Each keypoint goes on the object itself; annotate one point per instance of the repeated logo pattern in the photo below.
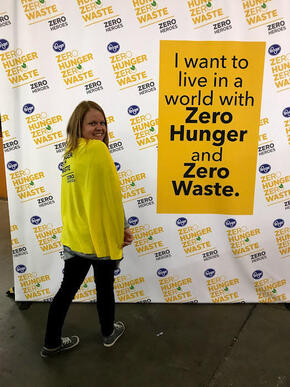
(113, 59)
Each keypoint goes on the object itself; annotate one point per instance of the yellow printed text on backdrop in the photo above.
(209, 111)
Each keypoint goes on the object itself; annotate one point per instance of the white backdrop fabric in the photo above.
(54, 54)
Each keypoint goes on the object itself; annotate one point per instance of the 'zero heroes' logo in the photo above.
(162, 272)
(12, 165)
(181, 222)
(113, 47)
(58, 46)
(278, 223)
(265, 168)
(35, 219)
(20, 268)
(257, 274)
(209, 273)
(118, 166)
(28, 108)
(133, 110)
(274, 49)
(133, 220)
(286, 112)
(4, 44)
(230, 222)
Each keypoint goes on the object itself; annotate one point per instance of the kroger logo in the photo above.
(257, 274)
(230, 223)
(181, 222)
(12, 165)
(117, 271)
(133, 220)
(113, 47)
(274, 49)
(265, 168)
(118, 166)
(278, 223)
(133, 110)
(4, 44)
(60, 165)
(20, 269)
(35, 219)
(286, 112)
(162, 272)
(209, 273)
(58, 46)
(28, 108)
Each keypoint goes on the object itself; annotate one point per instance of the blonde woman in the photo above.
(95, 229)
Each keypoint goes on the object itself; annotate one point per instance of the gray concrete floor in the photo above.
(201, 345)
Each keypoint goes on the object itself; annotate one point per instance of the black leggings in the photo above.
(75, 271)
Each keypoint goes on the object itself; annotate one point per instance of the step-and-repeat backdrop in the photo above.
(209, 80)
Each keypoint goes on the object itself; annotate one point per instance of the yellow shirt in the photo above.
(91, 203)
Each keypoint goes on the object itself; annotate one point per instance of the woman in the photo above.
(94, 226)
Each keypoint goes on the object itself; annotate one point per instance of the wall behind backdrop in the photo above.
(232, 247)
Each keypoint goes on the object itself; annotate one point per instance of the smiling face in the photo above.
(94, 125)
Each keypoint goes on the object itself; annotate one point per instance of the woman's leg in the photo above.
(104, 278)
(75, 271)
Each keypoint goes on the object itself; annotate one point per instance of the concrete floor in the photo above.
(201, 345)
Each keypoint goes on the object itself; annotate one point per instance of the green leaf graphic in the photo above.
(132, 184)
(98, 2)
(38, 285)
(198, 238)
(132, 287)
(263, 5)
(274, 291)
(31, 183)
(208, 4)
(24, 65)
(48, 127)
(152, 129)
(133, 67)
(41, 1)
(154, 3)
(79, 67)
(247, 240)
(54, 236)
(179, 288)
(281, 186)
(151, 237)
(85, 285)
(226, 289)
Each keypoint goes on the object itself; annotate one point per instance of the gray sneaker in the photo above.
(119, 329)
(66, 343)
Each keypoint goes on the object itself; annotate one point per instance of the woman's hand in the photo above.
(128, 237)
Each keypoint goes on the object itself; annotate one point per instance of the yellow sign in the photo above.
(209, 112)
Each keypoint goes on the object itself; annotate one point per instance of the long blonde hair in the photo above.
(74, 126)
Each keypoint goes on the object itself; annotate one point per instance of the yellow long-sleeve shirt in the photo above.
(91, 203)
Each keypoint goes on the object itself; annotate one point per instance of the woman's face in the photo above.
(94, 125)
